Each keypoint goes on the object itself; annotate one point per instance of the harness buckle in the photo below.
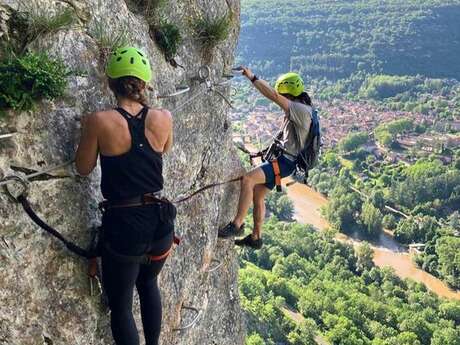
(277, 171)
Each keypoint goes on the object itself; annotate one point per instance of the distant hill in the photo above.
(335, 39)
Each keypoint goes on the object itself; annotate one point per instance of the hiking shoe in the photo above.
(249, 242)
(231, 230)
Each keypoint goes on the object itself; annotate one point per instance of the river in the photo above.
(387, 252)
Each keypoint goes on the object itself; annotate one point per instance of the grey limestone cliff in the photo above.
(44, 291)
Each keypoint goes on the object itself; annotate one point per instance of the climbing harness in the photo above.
(17, 188)
(20, 196)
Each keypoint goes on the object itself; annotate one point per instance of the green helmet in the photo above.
(129, 62)
(290, 83)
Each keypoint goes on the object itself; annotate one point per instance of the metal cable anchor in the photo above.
(15, 180)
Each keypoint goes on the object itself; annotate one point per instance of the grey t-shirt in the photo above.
(299, 115)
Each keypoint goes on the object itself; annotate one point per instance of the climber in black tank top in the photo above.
(130, 141)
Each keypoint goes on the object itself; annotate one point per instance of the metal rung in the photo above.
(218, 263)
(6, 136)
(223, 83)
(180, 90)
(198, 313)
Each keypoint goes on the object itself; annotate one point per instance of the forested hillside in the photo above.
(303, 287)
(334, 39)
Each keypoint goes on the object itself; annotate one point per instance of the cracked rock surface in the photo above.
(44, 291)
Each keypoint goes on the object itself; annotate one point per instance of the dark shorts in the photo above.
(137, 230)
(287, 167)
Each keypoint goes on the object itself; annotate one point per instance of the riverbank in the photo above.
(387, 252)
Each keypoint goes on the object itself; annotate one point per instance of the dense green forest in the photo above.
(335, 39)
(336, 293)
(361, 188)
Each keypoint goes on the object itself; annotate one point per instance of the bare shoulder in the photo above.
(160, 115)
(101, 117)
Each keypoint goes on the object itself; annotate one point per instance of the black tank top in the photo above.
(136, 172)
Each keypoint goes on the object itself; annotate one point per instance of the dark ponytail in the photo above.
(304, 98)
(129, 87)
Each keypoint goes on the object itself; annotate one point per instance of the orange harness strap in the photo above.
(162, 256)
(276, 170)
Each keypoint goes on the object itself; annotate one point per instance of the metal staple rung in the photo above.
(219, 265)
(13, 178)
(180, 91)
(6, 136)
(193, 322)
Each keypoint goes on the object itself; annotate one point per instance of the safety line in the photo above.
(38, 173)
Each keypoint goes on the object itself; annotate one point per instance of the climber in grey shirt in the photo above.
(290, 95)
(295, 133)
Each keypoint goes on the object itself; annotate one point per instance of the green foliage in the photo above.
(343, 209)
(339, 293)
(35, 20)
(109, 40)
(30, 78)
(364, 256)
(280, 205)
(446, 336)
(448, 251)
(428, 191)
(380, 87)
(352, 142)
(336, 39)
(387, 133)
(148, 8)
(211, 31)
(168, 38)
(254, 339)
(371, 217)
(389, 222)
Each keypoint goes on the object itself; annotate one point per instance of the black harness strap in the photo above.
(92, 254)
(74, 248)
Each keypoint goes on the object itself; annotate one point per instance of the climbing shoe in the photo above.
(231, 230)
(248, 241)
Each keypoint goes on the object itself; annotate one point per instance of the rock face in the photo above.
(44, 291)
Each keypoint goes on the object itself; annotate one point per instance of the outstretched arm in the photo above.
(169, 142)
(86, 157)
(266, 90)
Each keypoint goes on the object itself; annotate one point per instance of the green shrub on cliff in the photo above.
(27, 79)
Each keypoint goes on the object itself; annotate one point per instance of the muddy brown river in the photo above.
(387, 252)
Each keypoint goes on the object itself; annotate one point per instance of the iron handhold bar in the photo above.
(180, 90)
(198, 313)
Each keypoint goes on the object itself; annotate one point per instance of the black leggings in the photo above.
(119, 281)
(119, 278)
